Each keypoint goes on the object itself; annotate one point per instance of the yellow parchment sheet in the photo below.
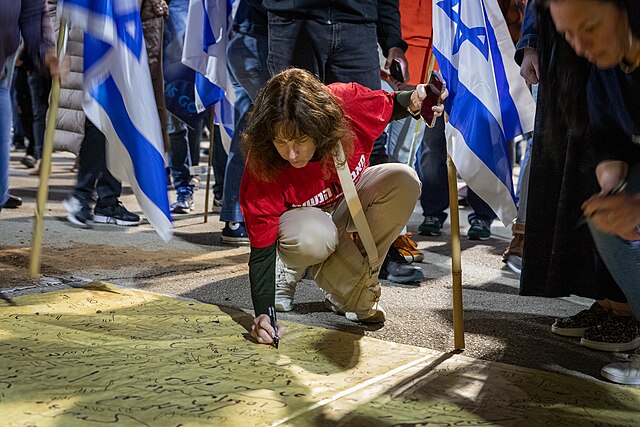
(110, 356)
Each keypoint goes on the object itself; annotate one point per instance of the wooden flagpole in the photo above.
(456, 258)
(45, 165)
(211, 144)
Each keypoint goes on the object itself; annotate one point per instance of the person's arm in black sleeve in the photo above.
(262, 277)
(401, 100)
(388, 27)
(609, 140)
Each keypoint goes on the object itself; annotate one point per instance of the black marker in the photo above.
(615, 190)
(274, 325)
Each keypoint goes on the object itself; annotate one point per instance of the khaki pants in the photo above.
(316, 238)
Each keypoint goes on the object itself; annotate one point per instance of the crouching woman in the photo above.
(292, 201)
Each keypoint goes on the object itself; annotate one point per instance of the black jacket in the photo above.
(384, 13)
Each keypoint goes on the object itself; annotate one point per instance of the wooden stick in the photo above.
(456, 264)
(211, 144)
(45, 166)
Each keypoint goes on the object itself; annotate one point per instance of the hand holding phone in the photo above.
(434, 89)
(396, 71)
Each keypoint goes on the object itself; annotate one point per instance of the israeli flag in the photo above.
(205, 50)
(119, 100)
(489, 103)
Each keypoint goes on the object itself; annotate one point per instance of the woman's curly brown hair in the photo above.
(298, 104)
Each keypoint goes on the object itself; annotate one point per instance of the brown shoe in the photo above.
(517, 243)
(408, 248)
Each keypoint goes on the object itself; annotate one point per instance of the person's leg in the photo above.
(621, 257)
(219, 163)
(235, 164)
(109, 209)
(18, 132)
(40, 87)
(306, 236)
(432, 170)
(298, 43)
(91, 165)
(513, 254)
(23, 99)
(5, 136)
(194, 136)
(388, 194)
(354, 58)
(179, 163)
(179, 158)
(480, 218)
(248, 71)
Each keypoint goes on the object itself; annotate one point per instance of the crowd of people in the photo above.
(309, 102)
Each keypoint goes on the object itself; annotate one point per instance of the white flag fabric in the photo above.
(205, 50)
(489, 103)
(119, 100)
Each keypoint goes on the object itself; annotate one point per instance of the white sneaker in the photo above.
(374, 315)
(624, 372)
(286, 281)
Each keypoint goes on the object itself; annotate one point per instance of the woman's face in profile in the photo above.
(596, 30)
(298, 150)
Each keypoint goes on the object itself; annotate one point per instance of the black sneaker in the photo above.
(79, 211)
(29, 161)
(395, 268)
(479, 230)
(617, 333)
(115, 214)
(574, 326)
(184, 201)
(234, 233)
(12, 202)
(431, 226)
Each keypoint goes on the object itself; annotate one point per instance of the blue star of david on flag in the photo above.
(477, 36)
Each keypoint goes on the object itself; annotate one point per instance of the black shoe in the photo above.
(79, 211)
(234, 233)
(395, 268)
(115, 214)
(479, 230)
(28, 161)
(12, 202)
(431, 226)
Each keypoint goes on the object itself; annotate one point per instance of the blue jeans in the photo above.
(622, 257)
(93, 174)
(336, 52)
(39, 86)
(180, 156)
(5, 127)
(432, 171)
(247, 65)
(219, 161)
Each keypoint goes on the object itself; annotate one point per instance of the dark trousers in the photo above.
(40, 86)
(93, 174)
(336, 52)
(432, 170)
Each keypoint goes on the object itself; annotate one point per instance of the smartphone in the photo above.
(434, 89)
(396, 71)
